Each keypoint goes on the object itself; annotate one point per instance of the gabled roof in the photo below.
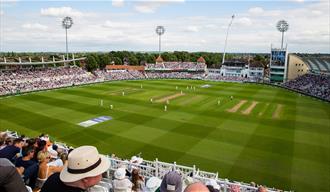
(201, 60)
(159, 59)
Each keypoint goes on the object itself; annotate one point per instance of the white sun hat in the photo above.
(213, 183)
(120, 173)
(136, 160)
(84, 161)
(153, 184)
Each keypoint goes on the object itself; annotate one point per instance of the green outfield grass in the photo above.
(286, 147)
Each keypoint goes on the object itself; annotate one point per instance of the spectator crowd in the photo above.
(12, 82)
(311, 84)
(176, 66)
(218, 77)
(18, 81)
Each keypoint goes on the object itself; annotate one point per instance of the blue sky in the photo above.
(190, 25)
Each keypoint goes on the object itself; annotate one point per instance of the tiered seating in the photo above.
(46, 78)
(119, 74)
(176, 66)
(174, 75)
(311, 84)
(224, 78)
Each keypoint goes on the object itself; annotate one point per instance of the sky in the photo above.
(190, 25)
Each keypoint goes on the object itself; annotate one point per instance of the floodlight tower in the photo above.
(224, 50)
(67, 24)
(160, 30)
(282, 26)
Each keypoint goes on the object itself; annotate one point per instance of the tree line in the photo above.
(213, 60)
(97, 60)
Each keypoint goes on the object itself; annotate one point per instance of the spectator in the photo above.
(196, 187)
(84, 169)
(64, 158)
(172, 181)
(30, 166)
(261, 189)
(213, 186)
(54, 160)
(234, 188)
(45, 170)
(311, 84)
(10, 180)
(138, 181)
(121, 183)
(153, 184)
(12, 152)
(27, 159)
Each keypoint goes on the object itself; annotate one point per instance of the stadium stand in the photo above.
(34, 79)
(317, 63)
(311, 84)
(12, 82)
(121, 173)
(175, 66)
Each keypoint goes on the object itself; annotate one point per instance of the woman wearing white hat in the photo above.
(84, 170)
(121, 183)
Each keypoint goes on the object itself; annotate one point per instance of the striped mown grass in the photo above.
(291, 151)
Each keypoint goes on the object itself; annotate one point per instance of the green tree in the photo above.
(104, 60)
(151, 58)
(133, 60)
(91, 63)
(117, 61)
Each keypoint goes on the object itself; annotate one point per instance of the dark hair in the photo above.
(17, 140)
(55, 147)
(2, 140)
(31, 142)
(41, 144)
(71, 149)
(8, 141)
(27, 150)
(211, 188)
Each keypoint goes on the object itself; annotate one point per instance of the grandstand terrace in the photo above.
(316, 85)
(31, 79)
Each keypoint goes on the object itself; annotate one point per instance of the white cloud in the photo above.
(118, 3)
(35, 26)
(112, 24)
(317, 12)
(309, 31)
(1, 12)
(192, 29)
(256, 10)
(146, 7)
(152, 6)
(60, 12)
(243, 21)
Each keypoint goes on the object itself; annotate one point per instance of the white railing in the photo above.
(159, 169)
